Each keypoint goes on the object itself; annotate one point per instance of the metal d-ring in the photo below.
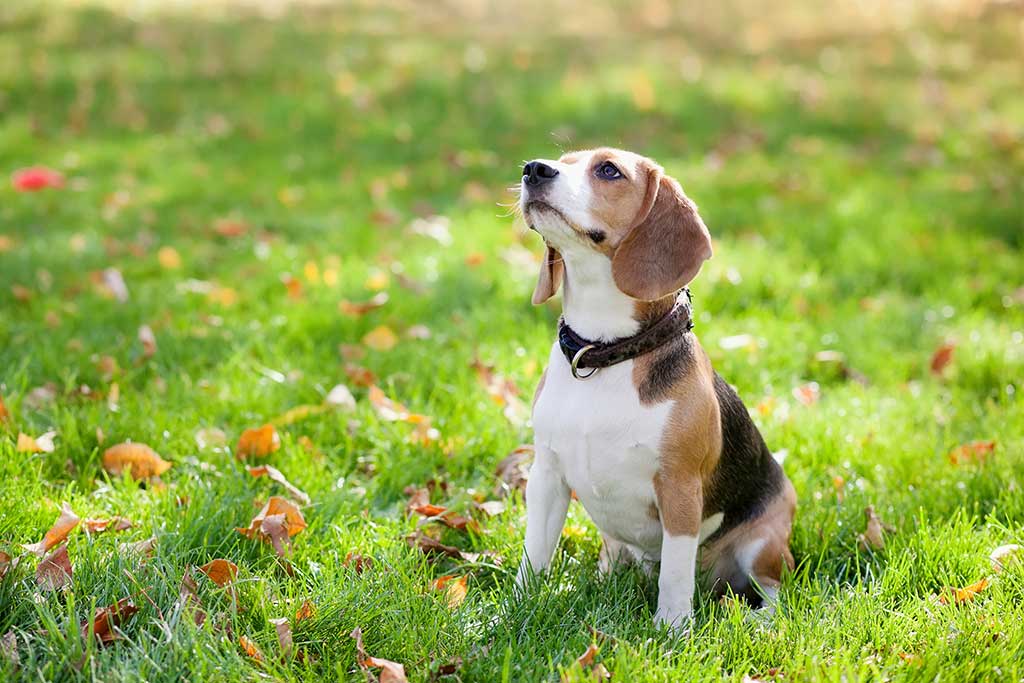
(576, 360)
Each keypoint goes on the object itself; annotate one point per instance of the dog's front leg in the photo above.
(679, 505)
(547, 502)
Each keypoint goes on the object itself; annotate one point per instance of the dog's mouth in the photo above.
(540, 205)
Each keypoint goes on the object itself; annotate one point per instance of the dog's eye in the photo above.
(608, 171)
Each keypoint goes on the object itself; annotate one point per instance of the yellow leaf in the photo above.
(381, 338)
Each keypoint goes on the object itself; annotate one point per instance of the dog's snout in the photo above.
(538, 173)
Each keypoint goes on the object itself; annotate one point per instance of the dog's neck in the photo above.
(595, 308)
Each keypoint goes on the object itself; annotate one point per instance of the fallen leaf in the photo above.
(138, 459)
(41, 444)
(6, 564)
(220, 571)
(250, 649)
(298, 413)
(431, 546)
(587, 658)
(502, 391)
(275, 475)
(381, 338)
(360, 376)
(230, 227)
(168, 258)
(340, 397)
(54, 570)
(107, 620)
(351, 352)
(66, 522)
(973, 452)
(306, 611)
(360, 308)
(113, 285)
(293, 286)
(359, 563)
(377, 280)
(35, 178)
(453, 587)
(965, 594)
(144, 547)
(98, 526)
(148, 341)
(5, 415)
(1004, 556)
(386, 408)
(391, 672)
(491, 508)
(514, 470)
(258, 442)
(276, 523)
(284, 635)
(210, 437)
(872, 538)
(808, 394)
(942, 357)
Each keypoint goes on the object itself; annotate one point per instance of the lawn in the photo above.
(261, 202)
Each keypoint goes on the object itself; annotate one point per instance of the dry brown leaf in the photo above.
(360, 308)
(276, 523)
(431, 546)
(973, 452)
(502, 391)
(454, 588)
(140, 461)
(360, 376)
(258, 442)
(98, 526)
(873, 537)
(250, 649)
(107, 620)
(942, 357)
(391, 672)
(275, 475)
(381, 338)
(5, 415)
(54, 570)
(514, 470)
(359, 563)
(1004, 556)
(144, 547)
(66, 522)
(220, 571)
(297, 413)
(351, 352)
(41, 444)
(6, 564)
(491, 508)
(965, 594)
(148, 341)
(284, 635)
(9, 648)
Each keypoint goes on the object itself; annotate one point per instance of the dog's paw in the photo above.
(675, 619)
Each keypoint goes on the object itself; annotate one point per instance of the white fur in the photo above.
(676, 582)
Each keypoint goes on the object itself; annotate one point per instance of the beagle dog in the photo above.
(629, 414)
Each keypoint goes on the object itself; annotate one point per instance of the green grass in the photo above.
(863, 179)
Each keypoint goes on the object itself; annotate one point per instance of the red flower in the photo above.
(36, 178)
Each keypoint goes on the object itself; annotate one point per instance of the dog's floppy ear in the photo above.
(665, 249)
(550, 276)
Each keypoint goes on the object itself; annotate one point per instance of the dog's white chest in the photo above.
(606, 446)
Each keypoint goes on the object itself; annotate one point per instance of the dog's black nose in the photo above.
(538, 173)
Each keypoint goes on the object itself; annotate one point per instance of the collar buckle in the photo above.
(573, 366)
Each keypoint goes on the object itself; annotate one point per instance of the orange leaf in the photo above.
(808, 394)
(381, 338)
(391, 672)
(107, 619)
(359, 563)
(221, 572)
(138, 459)
(360, 308)
(41, 444)
(360, 376)
(66, 522)
(5, 414)
(942, 357)
(258, 443)
(54, 571)
(975, 451)
(275, 475)
(98, 526)
(250, 648)
(306, 611)
(430, 510)
(388, 409)
(965, 594)
(276, 523)
(168, 258)
(454, 588)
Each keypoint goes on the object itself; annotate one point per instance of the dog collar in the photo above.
(585, 354)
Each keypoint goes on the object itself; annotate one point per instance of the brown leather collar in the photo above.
(583, 353)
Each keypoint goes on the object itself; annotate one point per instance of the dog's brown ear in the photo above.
(550, 276)
(664, 251)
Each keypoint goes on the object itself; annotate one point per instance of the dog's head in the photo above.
(618, 205)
